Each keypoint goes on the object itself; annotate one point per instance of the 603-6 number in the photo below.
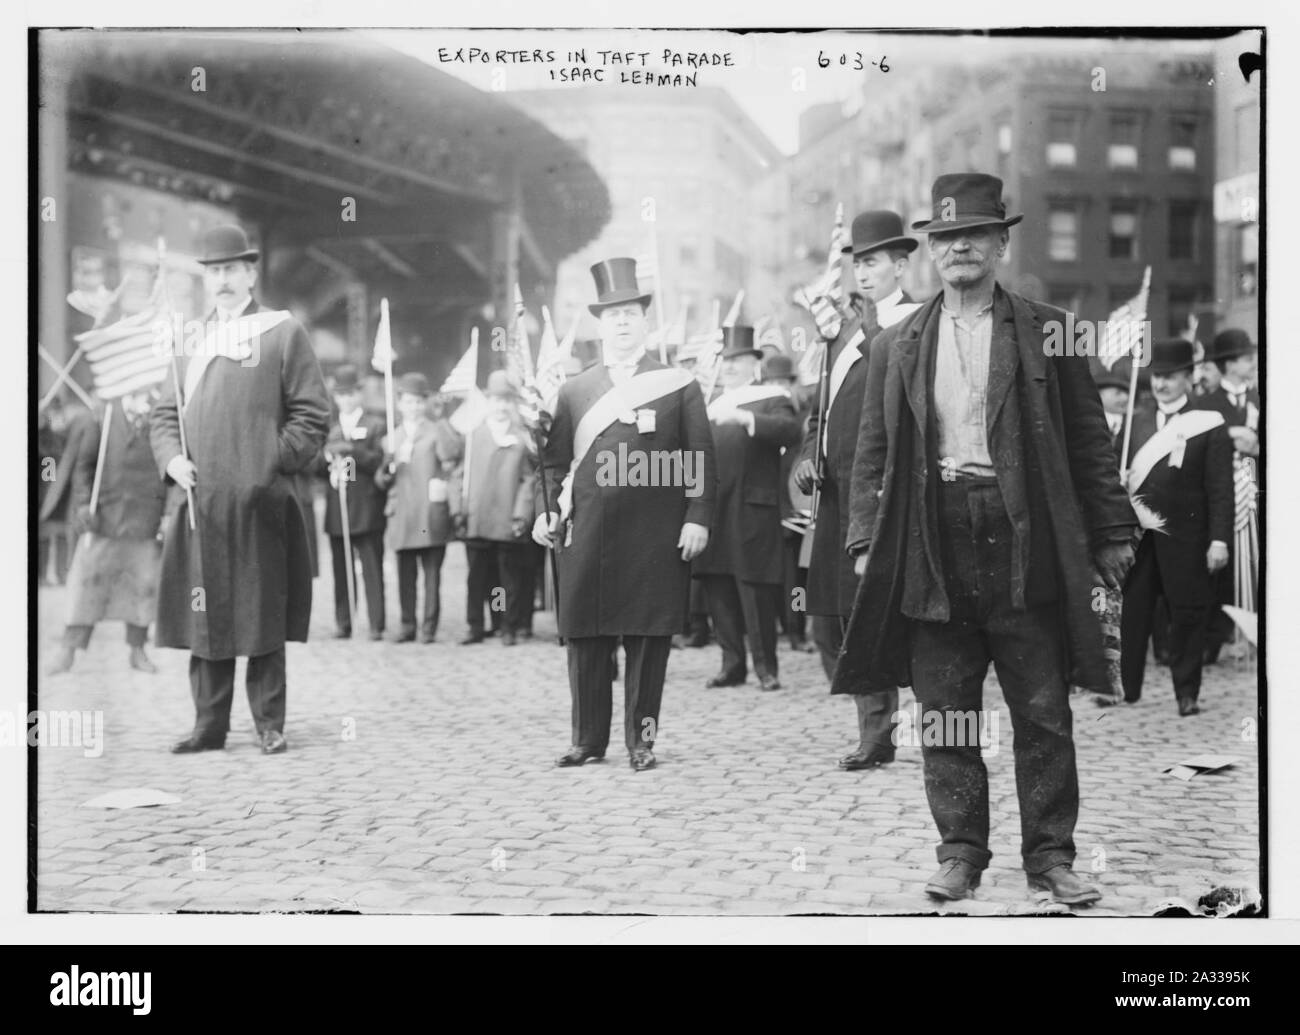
(854, 61)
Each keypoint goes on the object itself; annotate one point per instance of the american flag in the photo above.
(132, 353)
(1243, 483)
(809, 367)
(824, 297)
(1124, 327)
(540, 395)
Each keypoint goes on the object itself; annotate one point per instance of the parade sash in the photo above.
(620, 403)
(1170, 441)
(733, 398)
(229, 340)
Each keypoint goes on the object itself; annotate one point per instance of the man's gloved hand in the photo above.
(182, 471)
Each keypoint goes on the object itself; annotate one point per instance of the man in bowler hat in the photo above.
(624, 547)
(256, 413)
(984, 505)
(881, 252)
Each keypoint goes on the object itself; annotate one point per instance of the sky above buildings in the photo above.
(773, 76)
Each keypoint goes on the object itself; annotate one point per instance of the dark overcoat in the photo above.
(366, 500)
(131, 497)
(745, 541)
(251, 429)
(1197, 502)
(502, 485)
(417, 520)
(1051, 449)
(621, 572)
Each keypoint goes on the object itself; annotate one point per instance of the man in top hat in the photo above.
(256, 413)
(984, 501)
(742, 566)
(1180, 475)
(354, 451)
(492, 510)
(1234, 357)
(881, 253)
(630, 475)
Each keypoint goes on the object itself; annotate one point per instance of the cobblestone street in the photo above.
(420, 779)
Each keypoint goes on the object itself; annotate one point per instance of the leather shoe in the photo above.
(722, 679)
(956, 879)
(864, 758)
(642, 759)
(579, 756)
(62, 661)
(377, 636)
(1064, 885)
(190, 745)
(406, 637)
(140, 661)
(769, 683)
(426, 637)
(697, 639)
(472, 638)
(508, 639)
(273, 743)
(1188, 706)
(343, 634)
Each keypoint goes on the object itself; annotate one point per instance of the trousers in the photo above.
(591, 686)
(369, 549)
(79, 635)
(949, 662)
(409, 564)
(212, 685)
(508, 567)
(744, 612)
(1187, 631)
(876, 712)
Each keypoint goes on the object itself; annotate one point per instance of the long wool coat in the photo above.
(622, 573)
(745, 540)
(1056, 471)
(250, 430)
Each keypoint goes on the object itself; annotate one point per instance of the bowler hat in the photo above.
(413, 384)
(739, 341)
(499, 383)
(778, 368)
(1230, 343)
(879, 228)
(227, 243)
(346, 379)
(1118, 376)
(616, 284)
(961, 201)
(1172, 355)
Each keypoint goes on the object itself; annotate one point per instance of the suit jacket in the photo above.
(415, 521)
(131, 496)
(1196, 500)
(366, 499)
(745, 540)
(622, 572)
(1056, 472)
(502, 481)
(252, 428)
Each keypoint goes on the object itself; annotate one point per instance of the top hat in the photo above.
(499, 383)
(879, 228)
(1230, 343)
(227, 243)
(1172, 355)
(739, 341)
(616, 284)
(961, 201)
(778, 368)
(346, 379)
(413, 384)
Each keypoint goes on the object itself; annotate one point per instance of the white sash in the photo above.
(733, 398)
(229, 340)
(618, 404)
(1171, 441)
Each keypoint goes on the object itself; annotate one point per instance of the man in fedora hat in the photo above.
(1234, 357)
(354, 451)
(881, 253)
(984, 503)
(1180, 475)
(742, 566)
(255, 413)
(624, 542)
(492, 510)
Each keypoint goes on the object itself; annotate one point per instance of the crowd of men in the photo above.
(952, 492)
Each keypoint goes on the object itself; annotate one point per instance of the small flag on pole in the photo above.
(464, 375)
(382, 357)
(132, 353)
(1124, 327)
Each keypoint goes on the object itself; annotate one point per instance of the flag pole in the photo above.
(61, 378)
(99, 463)
(176, 377)
(658, 299)
(341, 478)
(388, 372)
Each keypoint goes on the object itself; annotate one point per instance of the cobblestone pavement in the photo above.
(445, 799)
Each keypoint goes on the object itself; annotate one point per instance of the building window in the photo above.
(1182, 230)
(1182, 143)
(1245, 253)
(1122, 151)
(1123, 230)
(1063, 140)
(1062, 234)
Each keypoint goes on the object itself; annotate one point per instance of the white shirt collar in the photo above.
(632, 361)
(1230, 387)
(1173, 407)
(891, 300)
